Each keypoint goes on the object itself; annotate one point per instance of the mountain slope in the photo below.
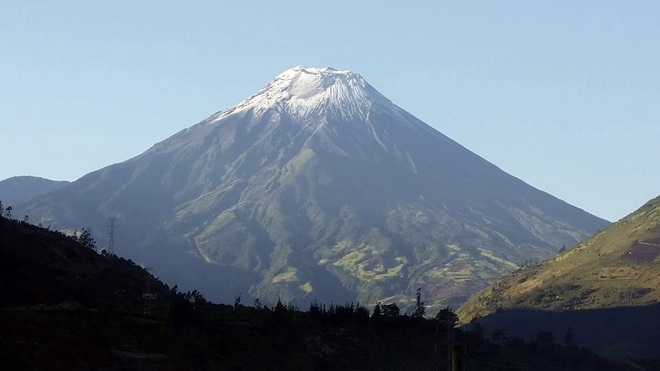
(318, 187)
(620, 266)
(19, 189)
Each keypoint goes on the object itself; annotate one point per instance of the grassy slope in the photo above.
(606, 290)
(619, 266)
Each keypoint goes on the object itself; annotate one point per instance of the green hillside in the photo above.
(619, 266)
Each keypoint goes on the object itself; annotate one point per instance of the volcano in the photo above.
(318, 187)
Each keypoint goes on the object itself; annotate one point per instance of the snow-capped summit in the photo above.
(304, 91)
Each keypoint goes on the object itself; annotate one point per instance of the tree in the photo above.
(391, 310)
(86, 240)
(237, 301)
(514, 343)
(195, 298)
(378, 311)
(279, 307)
(498, 335)
(315, 312)
(544, 338)
(361, 314)
(447, 317)
(569, 337)
(419, 305)
(477, 329)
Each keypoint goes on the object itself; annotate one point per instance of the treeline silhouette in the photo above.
(63, 305)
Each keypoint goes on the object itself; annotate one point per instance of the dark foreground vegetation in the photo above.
(64, 306)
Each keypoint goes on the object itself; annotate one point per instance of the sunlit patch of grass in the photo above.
(391, 272)
(306, 287)
(341, 245)
(349, 260)
(365, 262)
(436, 273)
(453, 248)
(489, 255)
(289, 275)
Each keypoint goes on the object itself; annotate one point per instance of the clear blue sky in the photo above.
(562, 94)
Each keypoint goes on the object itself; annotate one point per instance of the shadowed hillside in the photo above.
(613, 332)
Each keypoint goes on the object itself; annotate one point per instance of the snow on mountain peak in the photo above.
(304, 82)
(303, 91)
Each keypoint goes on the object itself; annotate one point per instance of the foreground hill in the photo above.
(46, 268)
(65, 307)
(318, 187)
(19, 189)
(620, 266)
(605, 291)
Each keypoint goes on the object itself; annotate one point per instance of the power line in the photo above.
(111, 243)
